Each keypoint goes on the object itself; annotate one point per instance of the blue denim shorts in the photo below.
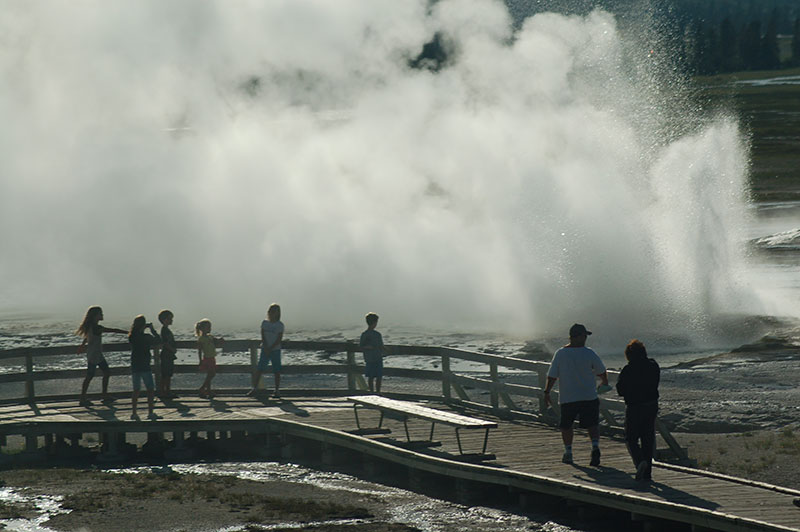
(142, 376)
(273, 357)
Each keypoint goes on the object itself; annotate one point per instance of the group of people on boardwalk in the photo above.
(142, 343)
(576, 368)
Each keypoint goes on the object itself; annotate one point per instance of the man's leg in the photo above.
(567, 435)
(632, 438)
(647, 427)
(591, 411)
(568, 413)
(594, 434)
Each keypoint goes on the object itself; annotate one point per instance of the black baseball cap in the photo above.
(578, 330)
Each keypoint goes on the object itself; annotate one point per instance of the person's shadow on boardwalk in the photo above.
(616, 478)
(182, 409)
(291, 408)
(107, 413)
(668, 493)
(220, 406)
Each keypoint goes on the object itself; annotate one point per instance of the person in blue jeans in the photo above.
(271, 336)
(141, 344)
(638, 385)
(371, 343)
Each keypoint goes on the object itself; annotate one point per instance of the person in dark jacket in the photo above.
(141, 343)
(638, 384)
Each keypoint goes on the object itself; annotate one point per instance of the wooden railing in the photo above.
(455, 387)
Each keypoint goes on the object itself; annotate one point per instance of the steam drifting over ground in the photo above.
(215, 159)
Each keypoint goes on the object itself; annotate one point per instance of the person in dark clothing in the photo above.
(638, 384)
(169, 349)
(141, 343)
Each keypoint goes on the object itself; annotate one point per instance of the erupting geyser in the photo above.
(215, 158)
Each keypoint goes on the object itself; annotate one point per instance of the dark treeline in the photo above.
(707, 36)
(731, 35)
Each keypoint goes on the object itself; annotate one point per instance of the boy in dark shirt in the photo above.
(638, 384)
(371, 342)
(169, 351)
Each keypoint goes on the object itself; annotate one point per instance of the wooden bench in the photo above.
(403, 410)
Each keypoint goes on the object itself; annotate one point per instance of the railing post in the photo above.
(351, 367)
(446, 377)
(495, 384)
(157, 364)
(30, 392)
(254, 364)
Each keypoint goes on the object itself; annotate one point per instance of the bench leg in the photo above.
(355, 411)
(380, 421)
(485, 441)
(405, 424)
(432, 425)
(458, 439)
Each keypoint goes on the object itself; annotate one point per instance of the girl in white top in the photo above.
(92, 333)
(271, 336)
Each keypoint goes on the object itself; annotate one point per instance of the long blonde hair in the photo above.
(202, 326)
(89, 320)
(276, 309)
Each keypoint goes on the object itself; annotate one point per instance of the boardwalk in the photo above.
(527, 454)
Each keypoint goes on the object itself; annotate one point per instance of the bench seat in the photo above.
(404, 410)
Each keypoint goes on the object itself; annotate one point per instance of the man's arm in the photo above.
(604, 377)
(551, 381)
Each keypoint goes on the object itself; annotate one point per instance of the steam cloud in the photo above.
(215, 158)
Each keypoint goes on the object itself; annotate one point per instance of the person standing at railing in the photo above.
(638, 384)
(169, 350)
(207, 354)
(271, 335)
(372, 343)
(576, 367)
(92, 333)
(141, 343)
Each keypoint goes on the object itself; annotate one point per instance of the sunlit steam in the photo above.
(215, 158)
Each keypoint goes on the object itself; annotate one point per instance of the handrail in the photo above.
(500, 393)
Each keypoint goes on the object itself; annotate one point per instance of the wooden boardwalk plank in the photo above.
(527, 453)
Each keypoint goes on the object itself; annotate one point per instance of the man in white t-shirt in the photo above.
(576, 367)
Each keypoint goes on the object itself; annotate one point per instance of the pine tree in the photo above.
(770, 55)
(796, 42)
(728, 47)
(750, 45)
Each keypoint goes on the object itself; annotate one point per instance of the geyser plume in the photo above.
(215, 158)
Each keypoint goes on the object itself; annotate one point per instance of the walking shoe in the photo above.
(152, 416)
(567, 458)
(135, 417)
(595, 461)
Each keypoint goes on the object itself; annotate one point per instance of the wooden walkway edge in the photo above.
(527, 455)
